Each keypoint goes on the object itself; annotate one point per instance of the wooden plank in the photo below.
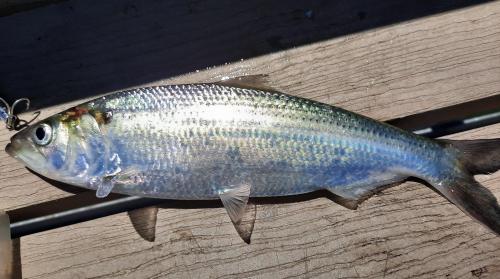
(405, 231)
(439, 61)
(76, 49)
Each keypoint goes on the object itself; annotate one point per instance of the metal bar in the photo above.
(452, 119)
(85, 206)
(73, 215)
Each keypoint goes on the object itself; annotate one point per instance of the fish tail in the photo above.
(475, 157)
(480, 156)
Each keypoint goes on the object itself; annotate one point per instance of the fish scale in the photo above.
(298, 144)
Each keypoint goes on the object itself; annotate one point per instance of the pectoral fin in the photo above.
(113, 167)
(104, 188)
(105, 185)
(235, 201)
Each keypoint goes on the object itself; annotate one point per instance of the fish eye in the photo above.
(42, 134)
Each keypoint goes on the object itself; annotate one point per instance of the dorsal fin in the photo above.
(258, 82)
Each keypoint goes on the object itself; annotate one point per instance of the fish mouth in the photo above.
(11, 150)
(16, 149)
(24, 153)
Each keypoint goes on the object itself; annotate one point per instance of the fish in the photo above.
(235, 140)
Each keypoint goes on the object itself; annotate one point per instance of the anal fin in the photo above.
(345, 202)
(350, 196)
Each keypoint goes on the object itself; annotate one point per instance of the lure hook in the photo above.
(11, 119)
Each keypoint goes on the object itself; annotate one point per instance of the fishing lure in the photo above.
(4, 111)
(232, 140)
(3, 114)
(8, 115)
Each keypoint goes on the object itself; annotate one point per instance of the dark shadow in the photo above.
(10, 251)
(60, 185)
(75, 49)
(17, 268)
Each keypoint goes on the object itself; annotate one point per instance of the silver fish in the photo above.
(231, 142)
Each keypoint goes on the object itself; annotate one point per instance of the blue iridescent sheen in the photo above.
(57, 158)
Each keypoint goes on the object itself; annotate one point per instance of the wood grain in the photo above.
(405, 231)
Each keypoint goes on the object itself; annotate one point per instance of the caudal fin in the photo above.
(480, 156)
(476, 157)
(473, 199)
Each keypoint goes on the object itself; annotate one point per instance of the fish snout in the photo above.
(9, 149)
(13, 147)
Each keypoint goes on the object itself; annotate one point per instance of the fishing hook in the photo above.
(12, 120)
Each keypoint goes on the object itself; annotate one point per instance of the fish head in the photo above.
(66, 147)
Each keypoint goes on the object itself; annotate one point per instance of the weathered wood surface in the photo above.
(405, 231)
